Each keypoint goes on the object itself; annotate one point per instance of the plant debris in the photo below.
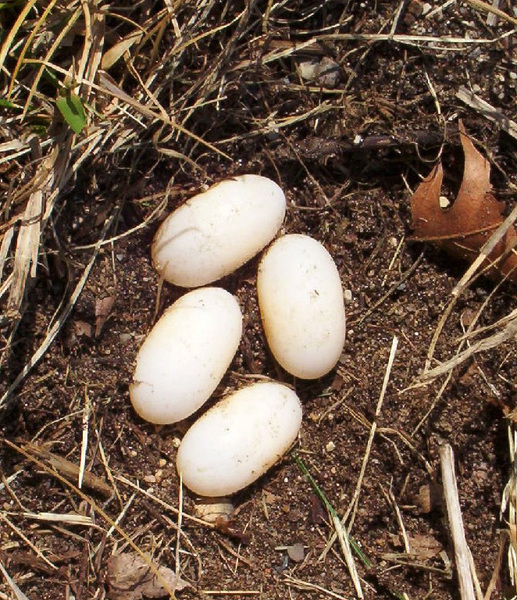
(130, 577)
(464, 228)
(212, 509)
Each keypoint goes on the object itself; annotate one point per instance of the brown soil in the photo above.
(353, 198)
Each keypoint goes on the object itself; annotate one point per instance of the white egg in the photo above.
(239, 439)
(185, 355)
(302, 306)
(217, 231)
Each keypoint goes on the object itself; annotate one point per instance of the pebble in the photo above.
(296, 552)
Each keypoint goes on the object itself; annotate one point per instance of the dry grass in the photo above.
(189, 92)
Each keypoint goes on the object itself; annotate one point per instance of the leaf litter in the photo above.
(131, 578)
(463, 229)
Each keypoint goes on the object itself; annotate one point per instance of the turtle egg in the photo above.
(185, 355)
(239, 439)
(301, 305)
(216, 232)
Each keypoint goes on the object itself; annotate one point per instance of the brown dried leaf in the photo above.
(103, 307)
(82, 329)
(424, 546)
(465, 227)
(131, 578)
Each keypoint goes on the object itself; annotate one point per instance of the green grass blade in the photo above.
(71, 107)
(318, 491)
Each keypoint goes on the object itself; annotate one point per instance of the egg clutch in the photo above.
(189, 349)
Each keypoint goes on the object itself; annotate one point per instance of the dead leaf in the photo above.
(82, 329)
(103, 307)
(463, 228)
(130, 577)
(424, 546)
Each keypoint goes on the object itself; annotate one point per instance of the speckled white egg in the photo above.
(216, 232)
(239, 439)
(302, 306)
(185, 355)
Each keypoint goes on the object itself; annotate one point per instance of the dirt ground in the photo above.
(347, 148)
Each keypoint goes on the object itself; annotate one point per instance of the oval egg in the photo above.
(302, 306)
(217, 231)
(239, 439)
(185, 355)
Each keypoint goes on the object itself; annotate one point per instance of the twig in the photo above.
(84, 443)
(34, 548)
(493, 10)
(99, 511)
(305, 585)
(56, 327)
(487, 110)
(461, 550)
(18, 594)
(488, 343)
(353, 503)
(163, 504)
(345, 541)
(509, 503)
(355, 499)
(70, 470)
(178, 530)
(406, 275)
(231, 592)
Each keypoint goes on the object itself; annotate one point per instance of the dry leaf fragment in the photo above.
(130, 577)
(467, 225)
(424, 546)
(103, 307)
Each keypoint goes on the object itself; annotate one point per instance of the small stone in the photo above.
(327, 73)
(307, 69)
(330, 447)
(296, 552)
